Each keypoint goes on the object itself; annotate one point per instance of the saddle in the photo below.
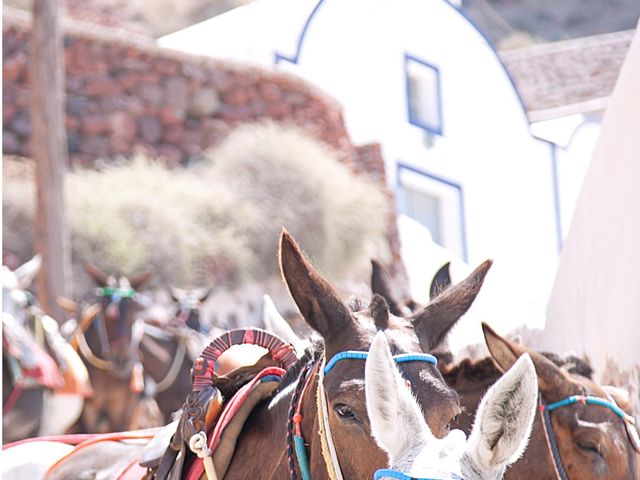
(217, 406)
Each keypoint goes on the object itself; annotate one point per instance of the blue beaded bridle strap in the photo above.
(360, 355)
(295, 441)
(387, 473)
(591, 400)
(545, 411)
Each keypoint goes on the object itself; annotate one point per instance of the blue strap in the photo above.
(301, 453)
(591, 400)
(359, 355)
(387, 473)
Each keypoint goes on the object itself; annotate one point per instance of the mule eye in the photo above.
(345, 412)
(590, 448)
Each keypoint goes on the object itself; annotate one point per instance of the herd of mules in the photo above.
(373, 394)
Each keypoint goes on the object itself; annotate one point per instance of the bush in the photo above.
(222, 215)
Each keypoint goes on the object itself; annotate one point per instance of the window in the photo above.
(423, 95)
(436, 203)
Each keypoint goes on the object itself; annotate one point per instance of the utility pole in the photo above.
(49, 150)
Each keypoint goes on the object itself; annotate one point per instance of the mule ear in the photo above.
(396, 421)
(434, 322)
(503, 422)
(381, 285)
(140, 279)
(99, 277)
(505, 353)
(275, 323)
(26, 272)
(315, 297)
(441, 281)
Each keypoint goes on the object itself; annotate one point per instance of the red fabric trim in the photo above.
(230, 409)
(102, 438)
(11, 401)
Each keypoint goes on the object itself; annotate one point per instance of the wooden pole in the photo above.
(49, 150)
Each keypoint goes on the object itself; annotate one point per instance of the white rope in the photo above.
(333, 465)
(198, 445)
(88, 354)
(174, 370)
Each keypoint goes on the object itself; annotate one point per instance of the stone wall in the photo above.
(124, 94)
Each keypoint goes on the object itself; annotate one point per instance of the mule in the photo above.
(328, 381)
(188, 304)
(397, 425)
(109, 347)
(499, 436)
(36, 406)
(573, 441)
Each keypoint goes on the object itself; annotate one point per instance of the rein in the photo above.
(295, 439)
(550, 437)
(111, 296)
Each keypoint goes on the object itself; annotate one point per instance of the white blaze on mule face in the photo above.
(501, 432)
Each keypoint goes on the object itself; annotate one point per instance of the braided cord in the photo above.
(553, 444)
(295, 399)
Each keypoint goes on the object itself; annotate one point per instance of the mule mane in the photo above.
(468, 370)
(571, 364)
(484, 369)
(313, 352)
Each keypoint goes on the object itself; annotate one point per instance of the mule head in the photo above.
(499, 436)
(113, 331)
(593, 441)
(343, 330)
(188, 304)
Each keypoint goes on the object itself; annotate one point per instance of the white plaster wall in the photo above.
(595, 304)
(487, 148)
(354, 50)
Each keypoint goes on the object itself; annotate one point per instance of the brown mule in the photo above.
(261, 448)
(592, 441)
(109, 349)
(342, 330)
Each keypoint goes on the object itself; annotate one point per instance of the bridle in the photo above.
(295, 439)
(552, 442)
(111, 302)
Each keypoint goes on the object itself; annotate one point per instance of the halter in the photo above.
(133, 368)
(295, 440)
(552, 442)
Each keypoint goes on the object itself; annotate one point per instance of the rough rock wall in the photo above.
(124, 94)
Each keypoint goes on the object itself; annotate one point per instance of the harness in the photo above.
(112, 297)
(552, 442)
(295, 439)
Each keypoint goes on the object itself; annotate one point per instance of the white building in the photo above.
(419, 78)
